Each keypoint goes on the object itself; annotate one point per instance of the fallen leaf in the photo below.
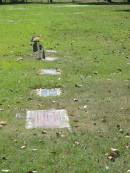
(78, 85)
(19, 59)
(77, 142)
(34, 149)
(107, 167)
(85, 106)
(114, 153)
(44, 132)
(104, 120)
(127, 135)
(3, 123)
(75, 99)
(23, 147)
(121, 130)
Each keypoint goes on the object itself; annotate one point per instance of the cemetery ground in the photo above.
(93, 47)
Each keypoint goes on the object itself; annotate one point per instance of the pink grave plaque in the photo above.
(47, 119)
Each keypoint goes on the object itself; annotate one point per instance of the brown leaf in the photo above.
(3, 123)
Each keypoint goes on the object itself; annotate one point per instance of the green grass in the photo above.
(93, 43)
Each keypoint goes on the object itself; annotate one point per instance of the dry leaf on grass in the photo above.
(23, 147)
(113, 154)
(3, 123)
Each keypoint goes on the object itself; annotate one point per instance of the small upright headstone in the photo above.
(38, 48)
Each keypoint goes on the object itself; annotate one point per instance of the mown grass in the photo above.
(93, 43)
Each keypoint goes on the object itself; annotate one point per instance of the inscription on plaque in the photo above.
(47, 119)
(50, 72)
(48, 92)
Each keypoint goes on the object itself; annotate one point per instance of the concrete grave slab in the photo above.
(51, 59)
(50, 72)
(48, 92)
(72, 5)
(51, 51)
(47, 119)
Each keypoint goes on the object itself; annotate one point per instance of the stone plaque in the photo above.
(48, 92)
(51, 51)
(51, 59)
(47, 119)
(50, 72)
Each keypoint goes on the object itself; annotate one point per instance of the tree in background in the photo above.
(110, 1)
(0, 1)
(50, 1)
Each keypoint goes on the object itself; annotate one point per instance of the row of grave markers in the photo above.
(51, 118)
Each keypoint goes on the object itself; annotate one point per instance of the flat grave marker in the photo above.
(47, 119)
(51, 51)
(72, 5)
(48, 92)
(49, 72)
(51, 59)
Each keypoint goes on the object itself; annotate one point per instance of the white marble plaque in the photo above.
(51, 51)
(50, 72)
(50, 58)
(47, 119)
(48, 92)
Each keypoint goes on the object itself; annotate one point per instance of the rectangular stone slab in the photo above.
(47, 119)
(50, 72)
(51, 51)
(51, 59)
(48, 92)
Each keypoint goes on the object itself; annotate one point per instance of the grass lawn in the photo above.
(94, 45)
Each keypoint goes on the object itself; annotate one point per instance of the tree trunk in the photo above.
(110, 1)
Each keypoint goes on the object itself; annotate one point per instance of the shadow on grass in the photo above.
(126, 10)
(72, 3)
(103, 3)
